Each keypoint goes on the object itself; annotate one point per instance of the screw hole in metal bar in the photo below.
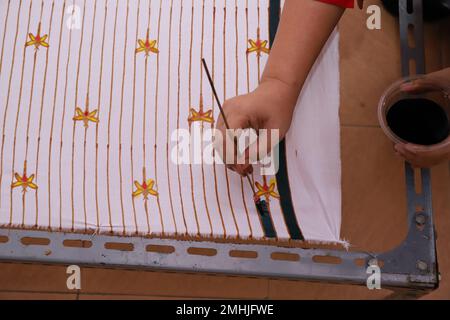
(29, 241)
(410, 6)
(119, 246)
(207, 252)
(421, 220)
(82, 244)
(327, 259)
(411, 37)
(285, 256)
(418, 181)
(160, 249)
(412, 67)
(3, 239)
(360, 262)
(243, 254)
(377, 262)
(420, 208)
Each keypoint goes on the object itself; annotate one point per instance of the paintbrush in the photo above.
(261, 204)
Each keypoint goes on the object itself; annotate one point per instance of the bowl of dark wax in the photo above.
(421, 118)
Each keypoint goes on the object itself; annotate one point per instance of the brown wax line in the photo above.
(84, 180)
(69, 55)
(72, 187)
(42, 11)
(132, 117)
(212, 125)
(33, 76)
(8, 95)
(53, 116)
(43, 92)
(121, 119)
(270, 211)
(244, 202)
(258, 57)
(189, 106)
(108, 188)
(247, 58)
(99, 105)
(224, 46)
(30, 105)
(248, 63)
(4, 35)
(146, 213)
(178, 114)
(144, 126)
(169, 65)
(91, 48)
(87, 103)
(146, 205)
(144, 118)
(18, 112)
(156, 122)
(202, 124)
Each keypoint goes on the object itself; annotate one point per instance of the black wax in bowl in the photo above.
(419, 121)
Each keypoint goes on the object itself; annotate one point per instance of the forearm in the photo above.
(304, 29)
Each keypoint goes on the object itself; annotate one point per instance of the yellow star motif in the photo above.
(267, 191)
(147, 45)
(37, 40)
(200, 115)
(86, 115)
(24, 181)
(145, 189)
(258, 45)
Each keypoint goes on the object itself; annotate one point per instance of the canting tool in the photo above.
(261, 205)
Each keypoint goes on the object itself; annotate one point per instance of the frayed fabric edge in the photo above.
(234, 239)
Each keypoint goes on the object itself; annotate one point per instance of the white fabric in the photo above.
(313, 148)
(81, 189)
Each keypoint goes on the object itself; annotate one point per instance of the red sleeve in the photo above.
(341, 3)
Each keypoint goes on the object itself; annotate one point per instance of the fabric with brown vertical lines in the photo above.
(91, 93)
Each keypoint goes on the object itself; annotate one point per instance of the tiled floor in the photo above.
(374, 207)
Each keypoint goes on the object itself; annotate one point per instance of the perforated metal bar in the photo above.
(411, 26)
(417, 255)
(309, 266)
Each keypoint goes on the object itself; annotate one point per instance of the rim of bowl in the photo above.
(383, 121)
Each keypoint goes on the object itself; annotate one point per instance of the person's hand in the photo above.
(270, 106)
(424, 156)
(439, 79)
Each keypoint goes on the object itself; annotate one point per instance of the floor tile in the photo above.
(370, 61)
(33, 277)
(373, 190)
(109, 281)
